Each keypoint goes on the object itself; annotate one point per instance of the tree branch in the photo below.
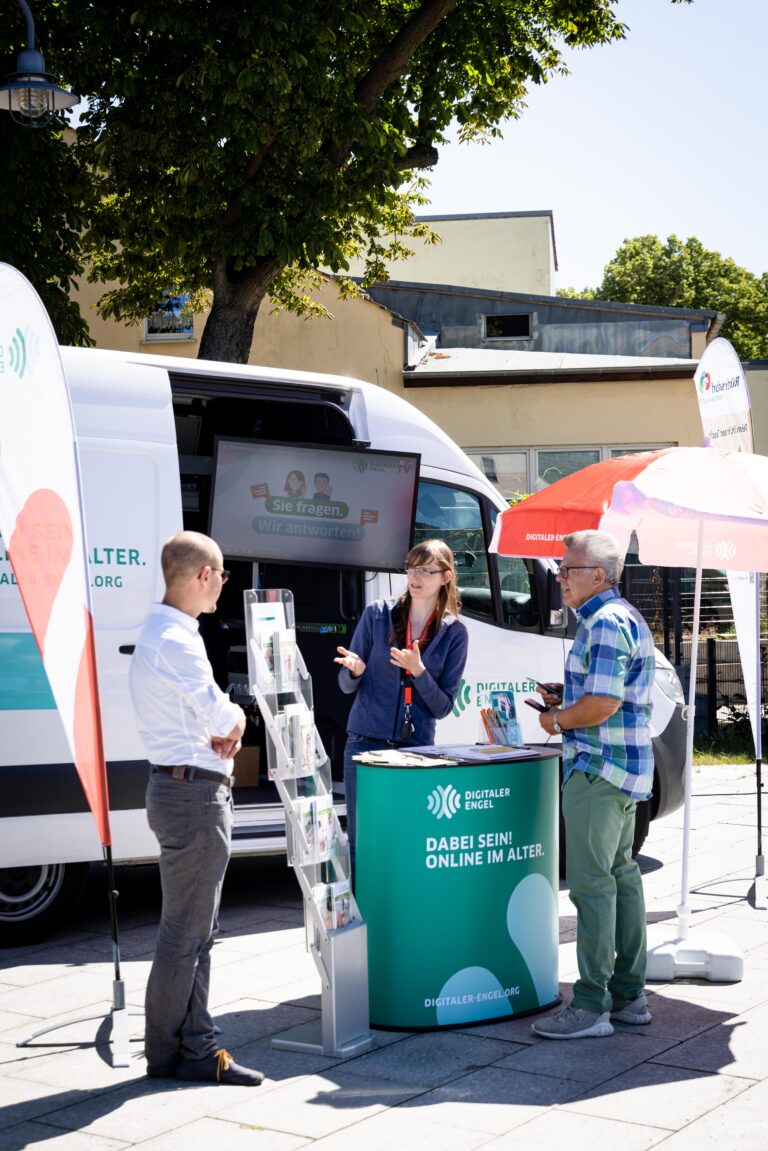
(396, 57)
(419, 156)
(392, 63)
(235, 207)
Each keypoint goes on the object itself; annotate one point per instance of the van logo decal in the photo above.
(462, 698)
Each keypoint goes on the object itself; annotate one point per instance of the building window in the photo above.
(507, 327)
(520, 471)
(507, 471)
(171, 320)
(555, 465)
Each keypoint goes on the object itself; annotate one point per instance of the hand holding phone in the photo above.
(555, 689)
(534, 703)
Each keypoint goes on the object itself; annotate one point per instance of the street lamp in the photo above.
(30, 94)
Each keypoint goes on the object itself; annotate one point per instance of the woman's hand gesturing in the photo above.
(408, 659)
(352, 662)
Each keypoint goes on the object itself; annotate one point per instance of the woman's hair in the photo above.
(434, 554)
(300, 477)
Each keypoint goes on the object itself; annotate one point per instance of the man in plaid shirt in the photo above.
(604, 720)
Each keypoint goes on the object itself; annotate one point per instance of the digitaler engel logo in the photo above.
(17, 353)
(462, 698)
(725, 550)
(444, 801)
(705, 382)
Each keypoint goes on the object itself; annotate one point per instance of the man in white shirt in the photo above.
(191, 730)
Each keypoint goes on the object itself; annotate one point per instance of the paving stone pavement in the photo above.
(696, 1078)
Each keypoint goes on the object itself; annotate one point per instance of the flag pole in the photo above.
(120, 1036)
(119, 1012)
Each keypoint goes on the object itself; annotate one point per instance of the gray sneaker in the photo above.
(573, 1023)
(631, 1010)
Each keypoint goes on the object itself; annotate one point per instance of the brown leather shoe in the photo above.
(218, 1067)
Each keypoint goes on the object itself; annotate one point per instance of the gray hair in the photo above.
(602, 548)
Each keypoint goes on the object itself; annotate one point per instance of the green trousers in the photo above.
(607, 891)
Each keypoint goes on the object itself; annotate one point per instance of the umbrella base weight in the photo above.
(701, 955)
(761, 895)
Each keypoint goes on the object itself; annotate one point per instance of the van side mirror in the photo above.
(555, 613)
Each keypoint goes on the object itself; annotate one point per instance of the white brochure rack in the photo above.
(317, 846)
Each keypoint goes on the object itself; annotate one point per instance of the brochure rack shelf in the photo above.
(317, 846)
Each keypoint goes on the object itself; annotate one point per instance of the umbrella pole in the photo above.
(760, 892)
(703, 956)
(684, 910)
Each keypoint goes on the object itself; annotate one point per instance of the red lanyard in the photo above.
(408, 688)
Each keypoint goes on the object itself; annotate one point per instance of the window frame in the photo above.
(187, 336)
(496, 618)
(486, 316)
(531, 453)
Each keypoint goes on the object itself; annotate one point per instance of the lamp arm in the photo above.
(30, 23)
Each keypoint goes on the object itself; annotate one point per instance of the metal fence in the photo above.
(665, 598)
(720, 694)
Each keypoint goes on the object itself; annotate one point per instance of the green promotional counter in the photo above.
(457, 880)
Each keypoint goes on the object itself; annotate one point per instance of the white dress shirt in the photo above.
(178, 704)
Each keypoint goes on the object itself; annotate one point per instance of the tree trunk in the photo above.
(228, 332)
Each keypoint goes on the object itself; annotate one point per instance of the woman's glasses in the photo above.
(423, 571)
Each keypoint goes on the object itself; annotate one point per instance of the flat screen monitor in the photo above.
(307, 504)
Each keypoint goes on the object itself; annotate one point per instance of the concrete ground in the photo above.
(696, 1078)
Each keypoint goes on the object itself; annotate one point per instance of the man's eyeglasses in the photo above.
(223, 573)
(565, 572)
(423, 571)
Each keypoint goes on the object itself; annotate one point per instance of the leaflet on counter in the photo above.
(470, 752)
(406, 757)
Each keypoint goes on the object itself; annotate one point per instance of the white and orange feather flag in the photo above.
(41, 522)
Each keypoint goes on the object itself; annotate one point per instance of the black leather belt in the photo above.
(184, 771)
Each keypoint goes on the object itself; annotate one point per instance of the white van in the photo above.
(148, 428)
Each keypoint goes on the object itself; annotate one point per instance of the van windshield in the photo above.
(455, 515)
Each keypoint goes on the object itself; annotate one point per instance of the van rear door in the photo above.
(129, 463)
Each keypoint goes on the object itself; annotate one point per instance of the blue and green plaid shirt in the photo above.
(612, 655)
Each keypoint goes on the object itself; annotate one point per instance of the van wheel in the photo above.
(35, 900)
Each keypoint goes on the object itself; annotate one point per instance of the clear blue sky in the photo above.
(661, 133)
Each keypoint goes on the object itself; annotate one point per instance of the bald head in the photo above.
(184, 554)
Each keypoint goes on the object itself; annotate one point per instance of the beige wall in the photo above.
(507, 254)
(545, 415)
(361, 339)
(698, 344)
(757, 382)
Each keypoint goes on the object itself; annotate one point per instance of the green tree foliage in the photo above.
(239, 145)
(685, 274)
(45, 203)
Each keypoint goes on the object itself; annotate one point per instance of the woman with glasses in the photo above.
(405, 664)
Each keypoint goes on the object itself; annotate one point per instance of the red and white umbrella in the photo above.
(687, 507)
(669, 498)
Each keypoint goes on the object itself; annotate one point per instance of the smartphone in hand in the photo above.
(534, 703)
(550, 688)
